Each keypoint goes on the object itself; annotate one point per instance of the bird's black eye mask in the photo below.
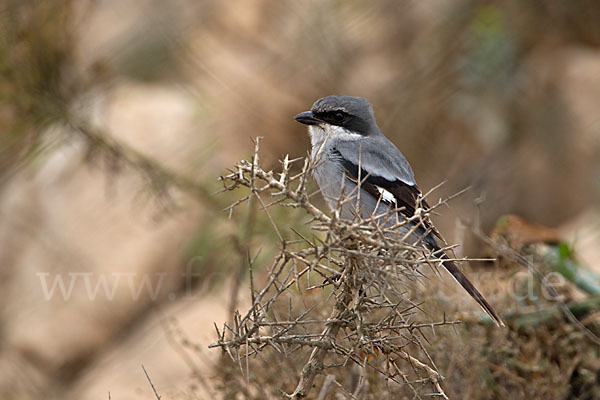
(335, 117)
(345, 120)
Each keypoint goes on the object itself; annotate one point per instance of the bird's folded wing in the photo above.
(390, 180)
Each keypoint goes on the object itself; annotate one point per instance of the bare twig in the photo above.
(151, 384)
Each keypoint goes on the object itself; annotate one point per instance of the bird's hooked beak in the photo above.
(308, 118)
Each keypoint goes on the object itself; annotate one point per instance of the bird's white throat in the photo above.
(320, 133)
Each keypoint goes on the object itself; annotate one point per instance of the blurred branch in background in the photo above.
(39, 80)
(159, 177)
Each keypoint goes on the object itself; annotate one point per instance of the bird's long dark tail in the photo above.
(472, 290)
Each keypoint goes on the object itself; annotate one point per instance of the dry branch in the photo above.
(370, 315)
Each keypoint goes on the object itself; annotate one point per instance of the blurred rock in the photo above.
(583, 233)
(176, 370)
(518, 232)
(73, 222)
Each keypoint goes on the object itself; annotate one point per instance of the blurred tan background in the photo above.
(117, 118)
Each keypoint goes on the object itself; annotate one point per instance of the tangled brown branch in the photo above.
(361, 317)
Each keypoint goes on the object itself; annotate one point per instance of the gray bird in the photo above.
(344, 136)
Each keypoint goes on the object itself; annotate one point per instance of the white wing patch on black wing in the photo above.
(386, 195)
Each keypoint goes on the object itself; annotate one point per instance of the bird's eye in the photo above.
(338, 116)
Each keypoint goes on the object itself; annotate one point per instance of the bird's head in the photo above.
(341, 116)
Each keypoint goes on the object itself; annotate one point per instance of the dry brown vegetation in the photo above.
(365, 334)
(368, 313)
